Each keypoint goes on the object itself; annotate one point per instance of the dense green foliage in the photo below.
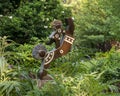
(97, 23)
(32, 19)
(5, 7)
(72, 76)
(85, 71)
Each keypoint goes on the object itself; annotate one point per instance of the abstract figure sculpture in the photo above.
(63, 40)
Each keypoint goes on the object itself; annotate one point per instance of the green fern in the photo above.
(8, 88)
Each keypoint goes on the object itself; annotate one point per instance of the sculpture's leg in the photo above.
(43, 76)
(43, 71)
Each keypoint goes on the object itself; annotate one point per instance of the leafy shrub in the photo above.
(5, 7)
(32, 19)
(109, 65)
(6, 86)
(97, 24)
(14, 79)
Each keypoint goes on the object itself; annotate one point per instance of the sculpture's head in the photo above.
(55, 36)
(56, 24)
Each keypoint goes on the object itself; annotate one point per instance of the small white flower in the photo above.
(54, 19)
(45, 26)
(62, 12)
(73, 18)
(10, 17)
(45, 7)
(5, 37)
(1, 15)
(47, 19)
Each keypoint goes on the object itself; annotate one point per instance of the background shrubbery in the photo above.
(32, 19)
(97, 23)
